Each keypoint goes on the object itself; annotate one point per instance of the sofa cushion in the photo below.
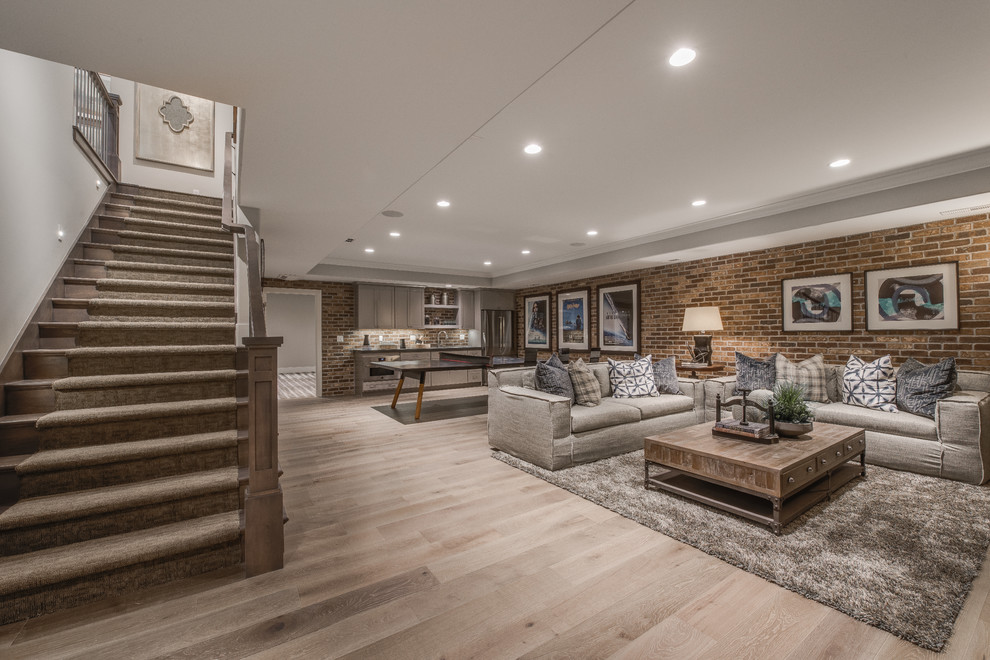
(906, 424)
(920, 387)
(587, 391)
(869, 384)
(632, 379)
(607, 413)
(809, 374)
(552, 378)
(755, 374)
(665, 404)
(665, 376)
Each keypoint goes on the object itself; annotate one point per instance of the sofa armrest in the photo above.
(525, 422)
(724, 385)
(694, 388)
(963, 425)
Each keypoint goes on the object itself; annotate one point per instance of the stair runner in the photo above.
(133, 476)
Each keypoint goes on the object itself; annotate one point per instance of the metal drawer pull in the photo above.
(790, 480)
(811, 468)
(838, 453)
(824, 461)
(849, 447)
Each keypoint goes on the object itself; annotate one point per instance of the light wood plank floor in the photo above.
(411, 542)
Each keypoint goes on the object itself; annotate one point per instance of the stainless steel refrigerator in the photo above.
(497, 332)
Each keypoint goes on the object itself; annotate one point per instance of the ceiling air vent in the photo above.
(972, 209)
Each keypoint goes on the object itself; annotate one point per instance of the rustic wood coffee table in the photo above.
(771, 484)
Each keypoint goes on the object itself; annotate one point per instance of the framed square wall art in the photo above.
(173, 128)
(618, 318)
(536, 314)
(914, 298)
(572, 319)
(817, 304)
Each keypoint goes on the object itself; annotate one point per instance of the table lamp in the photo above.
(702, 319)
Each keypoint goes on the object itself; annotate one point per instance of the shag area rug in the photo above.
(896, 550)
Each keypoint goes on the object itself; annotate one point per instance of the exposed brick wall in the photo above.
(337, 319)
(746, 287)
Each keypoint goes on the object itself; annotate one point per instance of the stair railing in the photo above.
(263, 510)
(97, 119)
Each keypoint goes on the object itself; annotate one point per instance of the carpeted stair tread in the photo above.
(221, 243)
(165, 225)
(129, 200)
(164, 325)
(122, 309)
(132, 380)
(88, 416)
(48, 567)
(64, 459)
(122, 351)
(169, 268)
(49, 509)
(138, 211)
(114, 284)
(164, 252)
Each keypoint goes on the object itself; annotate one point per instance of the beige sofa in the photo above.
(955, 445)
(547, 430)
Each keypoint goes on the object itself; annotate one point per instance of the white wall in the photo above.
(293, 317)
(160, 175)
(45, 181)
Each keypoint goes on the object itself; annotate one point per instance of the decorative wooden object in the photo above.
(744, 429)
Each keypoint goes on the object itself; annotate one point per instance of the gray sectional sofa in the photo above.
(549, 431)
(955, 445)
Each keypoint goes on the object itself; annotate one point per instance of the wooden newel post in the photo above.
(263, 535)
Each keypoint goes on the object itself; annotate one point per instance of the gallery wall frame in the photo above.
(913, 298)
(573, 329)
(822, 303)
(618, 317)
(537, 319)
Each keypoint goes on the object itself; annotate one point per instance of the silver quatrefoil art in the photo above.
(175, 114)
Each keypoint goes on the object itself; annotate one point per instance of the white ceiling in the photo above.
(357, 107)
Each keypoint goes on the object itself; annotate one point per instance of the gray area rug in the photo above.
(896, 550)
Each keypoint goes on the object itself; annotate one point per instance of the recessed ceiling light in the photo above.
(592, 232)
(369, 249)
(698, 202)
(681, 57)
(443, 203)
(488, 263)
(394, 234)
(533, 149)
(525, 251)
(842, 162)
(448, 285)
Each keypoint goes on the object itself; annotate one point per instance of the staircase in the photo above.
(119, 451)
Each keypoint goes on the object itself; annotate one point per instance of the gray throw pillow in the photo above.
(920, 387)
(587, 391)
(552, 378)
(665, 376)
(755, 374)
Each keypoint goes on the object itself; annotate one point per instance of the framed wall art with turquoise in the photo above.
(817, 304)
(913, 298)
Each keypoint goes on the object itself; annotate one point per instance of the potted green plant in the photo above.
(791, 414)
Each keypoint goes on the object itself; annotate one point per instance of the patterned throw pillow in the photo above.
(632, 379)
(919, 387)
(665, 376)
(869, 384)
(753, 374)
(587, 391)
(809, 374)
(552, 378)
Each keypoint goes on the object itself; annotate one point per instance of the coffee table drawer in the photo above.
(798, 475)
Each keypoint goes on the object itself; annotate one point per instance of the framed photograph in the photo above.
(915, 298)
(536, 313)
(817, 304)
(572, 319)
(618, 318)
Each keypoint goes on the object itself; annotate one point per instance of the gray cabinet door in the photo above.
(414, 308)
(385, 306)
(467, 311)
(401, 307)
(374, 305)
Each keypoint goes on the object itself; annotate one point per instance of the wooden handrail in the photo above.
(264, 541)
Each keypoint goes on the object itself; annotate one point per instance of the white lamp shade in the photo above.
(701, 319)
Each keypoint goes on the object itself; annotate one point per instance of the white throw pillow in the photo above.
(870, 384)
(633, 379)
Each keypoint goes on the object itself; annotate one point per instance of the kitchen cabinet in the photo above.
(468, 313)
(387, 307)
